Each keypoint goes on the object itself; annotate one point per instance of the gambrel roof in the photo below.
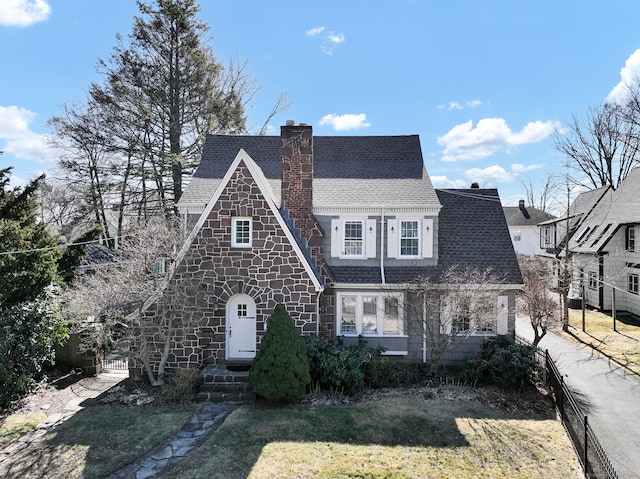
(348, 170)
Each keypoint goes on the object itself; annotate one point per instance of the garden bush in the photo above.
(502, 361)
(280, 370)
(344, 368)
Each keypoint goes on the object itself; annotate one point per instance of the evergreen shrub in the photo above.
(280, 370)
(505, 362)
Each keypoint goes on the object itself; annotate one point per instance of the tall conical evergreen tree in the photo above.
(28, 251)
(280, 371)
(28, 266)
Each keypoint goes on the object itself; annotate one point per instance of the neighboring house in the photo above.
(523, 227)
(555, 232)
(333, 227)
(604, 256)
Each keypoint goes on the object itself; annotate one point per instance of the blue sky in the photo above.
(484, 83)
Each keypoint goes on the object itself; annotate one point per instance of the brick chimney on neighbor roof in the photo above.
(297, 174)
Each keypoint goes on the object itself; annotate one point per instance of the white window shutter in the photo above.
(392, 238)
(336, 238)
(503, 315)
(427, 238)
(370, 242)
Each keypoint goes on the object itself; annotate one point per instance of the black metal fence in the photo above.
(595, 462)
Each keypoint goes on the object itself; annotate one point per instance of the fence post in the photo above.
(586, 447)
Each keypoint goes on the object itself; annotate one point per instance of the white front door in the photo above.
(241, 327)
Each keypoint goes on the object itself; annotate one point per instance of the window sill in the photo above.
(365, 335)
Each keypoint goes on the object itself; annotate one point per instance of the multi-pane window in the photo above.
(517, 236)
(593, 280)
(409, 238)
(633, 283)
(547, 238)
(631, 238)
(353, 239)
(242, 310)
(370, 314)
(462, 317)
(391, 321)
(241, 232)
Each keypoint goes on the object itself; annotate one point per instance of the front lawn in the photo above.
(622, 345)
(97, 441)
(428, 433)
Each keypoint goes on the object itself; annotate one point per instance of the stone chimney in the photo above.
(297, 174)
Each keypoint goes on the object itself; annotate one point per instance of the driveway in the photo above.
(607, 393)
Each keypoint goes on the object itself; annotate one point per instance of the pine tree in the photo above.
(280, 371)
(29, 326)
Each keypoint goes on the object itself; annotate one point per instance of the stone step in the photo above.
(218, 397)
(221, 386)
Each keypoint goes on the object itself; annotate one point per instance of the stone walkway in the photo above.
(178, 448)
(192, 434)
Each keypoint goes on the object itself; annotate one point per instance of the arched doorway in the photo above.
(241, 327)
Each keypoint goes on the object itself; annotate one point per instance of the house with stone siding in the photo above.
(335, 228)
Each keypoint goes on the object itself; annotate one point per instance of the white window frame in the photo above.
(359, 314)
(547, 238)
(499, 325)
(425, 237)
(593, 280)
(234, 237)
(417, 238)
(630, 238)
(338, 239)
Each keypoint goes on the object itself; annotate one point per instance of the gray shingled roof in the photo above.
(614, 208)
(472, 233)
(527, 216)
(348, 170)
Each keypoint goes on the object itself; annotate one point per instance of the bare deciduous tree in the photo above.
(535, 300)
(106, 304)
(461, 302)
(603, 147)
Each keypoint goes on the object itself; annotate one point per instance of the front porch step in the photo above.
(222, 385)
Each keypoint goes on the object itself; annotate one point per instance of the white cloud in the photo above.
(518, 168)
(444, 182)
(18, 139)
(491, 175)
(314, 31)
(335, 38)
(464, 142)
(348, 121)
(22, 13)
(629, 74)
(456, 105)
(330, 40)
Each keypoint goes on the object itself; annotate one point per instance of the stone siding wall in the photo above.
(213, 271)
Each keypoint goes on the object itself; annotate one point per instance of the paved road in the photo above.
(609, 396)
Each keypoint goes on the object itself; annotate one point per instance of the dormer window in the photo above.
(241, 232)
(409, 238)
(353, 238)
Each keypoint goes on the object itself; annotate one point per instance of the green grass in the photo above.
(97, 441)
(393, 438)
(14, 426)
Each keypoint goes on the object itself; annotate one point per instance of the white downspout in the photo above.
(318, 313)
(424, 332)
(383, 226)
